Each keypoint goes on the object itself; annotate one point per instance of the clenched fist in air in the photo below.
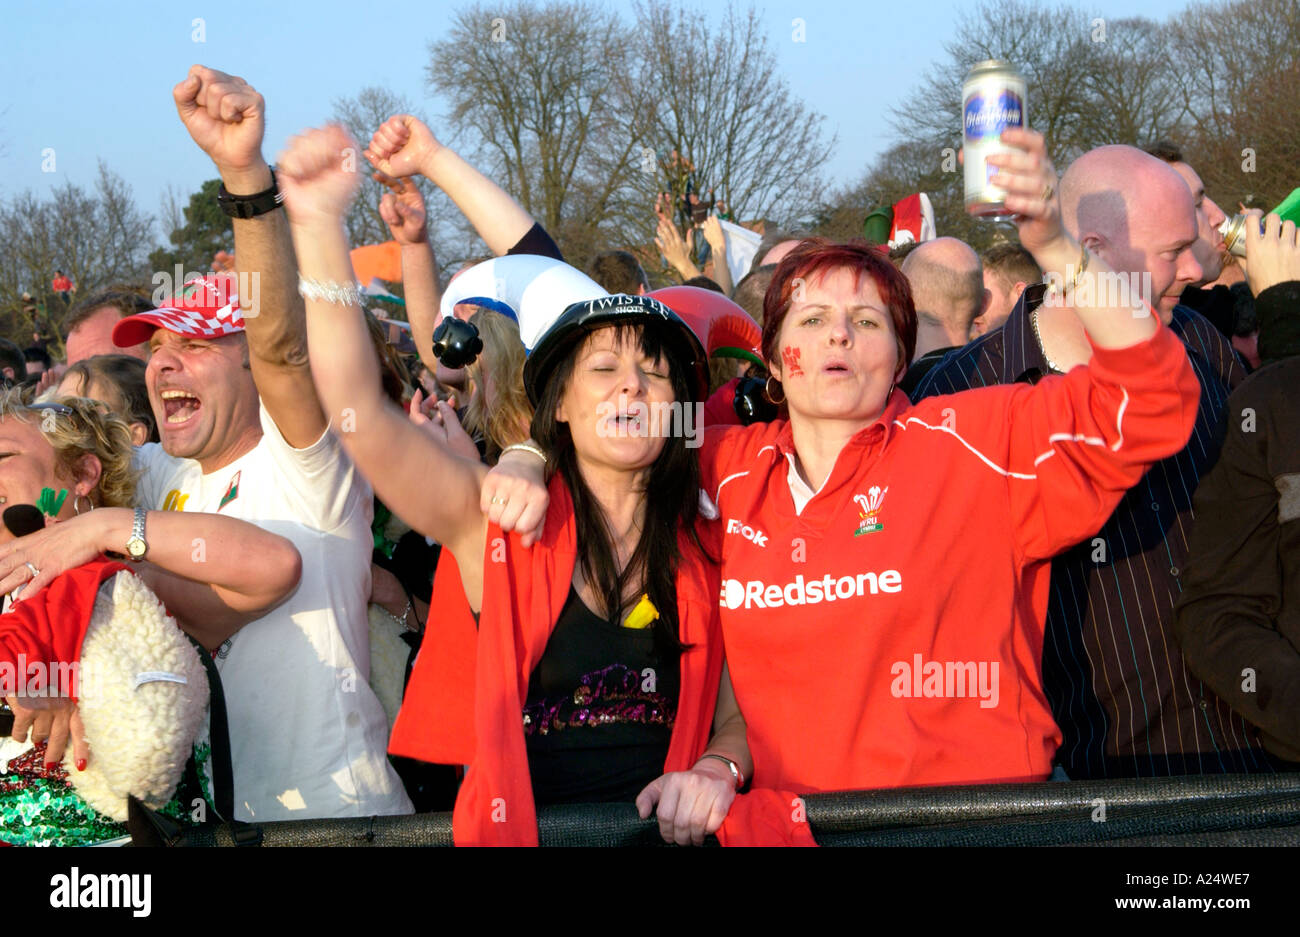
(318, 175)
(227, 118)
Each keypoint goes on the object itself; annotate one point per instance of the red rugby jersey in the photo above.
(891, 633)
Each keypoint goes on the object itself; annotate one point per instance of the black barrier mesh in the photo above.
(1197, 810)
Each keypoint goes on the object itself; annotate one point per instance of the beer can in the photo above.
(993, 99)
(1233, 230)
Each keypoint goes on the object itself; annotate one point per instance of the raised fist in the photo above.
(402, 146)
(318, 175)
(226, 117)
(402, 209)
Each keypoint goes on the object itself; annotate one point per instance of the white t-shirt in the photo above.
(308, 736)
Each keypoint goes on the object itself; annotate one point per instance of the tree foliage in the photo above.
(530, 88)
(204, 230)
(1212, 79)
(361, 115)
(1240, 68)
(580, 115)
(97, 237)
(713, 96)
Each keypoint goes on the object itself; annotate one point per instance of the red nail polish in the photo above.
(81, 764)
(49, 766)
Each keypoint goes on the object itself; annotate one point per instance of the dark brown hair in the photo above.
(672, 500)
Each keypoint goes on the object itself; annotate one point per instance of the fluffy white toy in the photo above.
(143, 699)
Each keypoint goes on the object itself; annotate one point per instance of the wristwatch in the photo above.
(250, 206)
(136, 546)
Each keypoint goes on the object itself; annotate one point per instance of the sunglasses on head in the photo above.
(59, 408)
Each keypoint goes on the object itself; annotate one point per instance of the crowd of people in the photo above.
(950, 517)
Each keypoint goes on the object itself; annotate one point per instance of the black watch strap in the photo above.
(250, 206)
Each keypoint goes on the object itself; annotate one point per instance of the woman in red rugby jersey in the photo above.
(885, 566)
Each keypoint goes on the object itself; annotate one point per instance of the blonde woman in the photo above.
(73, 462)
(498, 410)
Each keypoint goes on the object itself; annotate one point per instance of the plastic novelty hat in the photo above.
(725, 329)
(532, 290)
(583, 317)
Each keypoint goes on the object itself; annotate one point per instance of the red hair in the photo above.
(816, 257)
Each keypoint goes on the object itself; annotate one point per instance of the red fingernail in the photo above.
(81, 764)
(49, 766)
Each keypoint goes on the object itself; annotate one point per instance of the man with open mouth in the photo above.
(242, 434)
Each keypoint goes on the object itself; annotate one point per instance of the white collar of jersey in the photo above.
(799, 489)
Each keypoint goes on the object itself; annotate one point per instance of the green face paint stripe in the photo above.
(49, 503)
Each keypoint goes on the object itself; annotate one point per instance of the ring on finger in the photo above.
(1048, 191)
(500, 500)
(35, 572)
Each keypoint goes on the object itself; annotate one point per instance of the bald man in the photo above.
(1216, 301)
(1125, 702)
(947, 280)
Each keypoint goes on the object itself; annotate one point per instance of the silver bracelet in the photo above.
(736, 775)
(526, 447)
(340, 294)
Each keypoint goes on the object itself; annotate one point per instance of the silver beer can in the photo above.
(1234, 234)
(992, 99)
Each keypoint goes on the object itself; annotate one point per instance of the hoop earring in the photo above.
(90, 506)
(767, 391)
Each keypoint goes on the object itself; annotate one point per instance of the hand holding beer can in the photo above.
(993, 99)
(1234, 229)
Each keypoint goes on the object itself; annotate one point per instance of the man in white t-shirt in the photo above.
(308, 735)
(243, 434)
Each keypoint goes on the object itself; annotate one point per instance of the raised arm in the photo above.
(214, 573)
(434, 491)
(402, 209)
(671, 243)
(1031, 182)
(403, 146)
(717, 238)
(226, 118)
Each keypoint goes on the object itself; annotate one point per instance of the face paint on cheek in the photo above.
(790, 355)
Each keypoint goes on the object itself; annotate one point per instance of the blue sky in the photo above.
(93, 80)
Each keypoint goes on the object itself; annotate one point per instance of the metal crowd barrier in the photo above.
(1237, 810)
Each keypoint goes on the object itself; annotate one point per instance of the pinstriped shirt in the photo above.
(1126, 703)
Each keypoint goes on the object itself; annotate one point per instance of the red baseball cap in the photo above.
(207, 307)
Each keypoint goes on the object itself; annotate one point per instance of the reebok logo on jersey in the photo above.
(756, 537)
(755, 594)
